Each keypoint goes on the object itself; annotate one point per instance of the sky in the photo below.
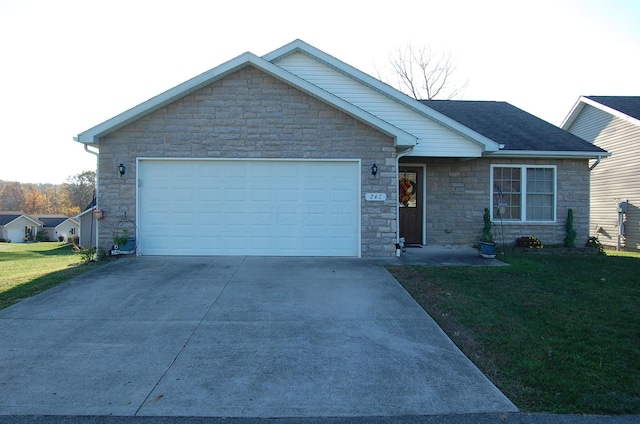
(68, 65)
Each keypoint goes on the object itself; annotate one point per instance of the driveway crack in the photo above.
(184, 346)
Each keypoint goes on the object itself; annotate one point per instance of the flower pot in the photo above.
(487, 250)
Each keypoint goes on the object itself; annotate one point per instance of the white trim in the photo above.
(37, 222)
(523, 192)
(92, 135)
(579, 106)
(376, 84)
(548, 154)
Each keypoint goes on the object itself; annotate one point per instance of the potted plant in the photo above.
(124, 243)
(487, 243)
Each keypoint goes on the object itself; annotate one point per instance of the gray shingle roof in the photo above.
(52, 222)
(629, 105)
(7, 217)
(511, 126)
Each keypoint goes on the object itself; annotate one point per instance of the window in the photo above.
(523, 193)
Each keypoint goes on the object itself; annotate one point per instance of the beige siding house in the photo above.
(612, 123)
(297, 153)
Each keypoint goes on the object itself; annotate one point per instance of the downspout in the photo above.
(595, 163)
(398, 157)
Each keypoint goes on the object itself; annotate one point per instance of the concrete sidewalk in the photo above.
(234, 337)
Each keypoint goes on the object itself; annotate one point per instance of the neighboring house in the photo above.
(58, 227)
(299, 154)
(612, 123)
(17, 227)
(87, 224)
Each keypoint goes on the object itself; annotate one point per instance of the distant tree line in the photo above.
(69, 198)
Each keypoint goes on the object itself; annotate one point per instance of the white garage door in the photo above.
(249, 207)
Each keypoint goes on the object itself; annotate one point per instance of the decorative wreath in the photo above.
(407, 190)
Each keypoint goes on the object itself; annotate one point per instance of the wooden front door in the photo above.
(410, 192)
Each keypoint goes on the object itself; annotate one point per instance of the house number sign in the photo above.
(375, 197)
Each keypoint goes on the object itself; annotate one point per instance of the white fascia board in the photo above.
(615, 112)
(35, 221)
(535, 154)
(93, 135)
(374, 83)
(402, 138)
(573, 114)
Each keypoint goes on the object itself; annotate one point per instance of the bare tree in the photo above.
(424, 75)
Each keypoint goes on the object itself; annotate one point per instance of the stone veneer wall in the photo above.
(458, 191)
(250, 114)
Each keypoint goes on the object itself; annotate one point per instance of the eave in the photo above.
(92, 136)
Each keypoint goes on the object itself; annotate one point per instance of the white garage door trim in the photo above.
(259, 207)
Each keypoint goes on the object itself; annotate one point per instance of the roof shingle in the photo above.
(511, 126)
(629, 105)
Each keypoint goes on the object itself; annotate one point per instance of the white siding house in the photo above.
(612, 123)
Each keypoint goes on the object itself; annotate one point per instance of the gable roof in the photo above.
(7, 217)
(623, 107)
(52, 221)
(520, 132)
(366, 80)
(92, 135)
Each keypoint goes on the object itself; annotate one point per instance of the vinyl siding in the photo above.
(616, 178)
(435, 139)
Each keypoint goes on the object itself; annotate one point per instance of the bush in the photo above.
(569, 240)
(3, 240)
(530, 242)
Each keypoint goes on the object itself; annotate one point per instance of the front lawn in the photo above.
(27, 269)
(556, 333)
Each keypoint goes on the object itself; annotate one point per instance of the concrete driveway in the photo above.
(234, 337)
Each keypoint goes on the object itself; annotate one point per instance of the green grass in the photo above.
(556, 333)
(27, 269)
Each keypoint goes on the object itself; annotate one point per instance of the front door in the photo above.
(410, 193)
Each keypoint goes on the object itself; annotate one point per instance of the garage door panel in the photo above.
(249, 207)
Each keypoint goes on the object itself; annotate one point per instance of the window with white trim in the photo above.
(523, 193)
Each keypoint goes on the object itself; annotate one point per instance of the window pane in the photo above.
(540, 194)
(507, 193)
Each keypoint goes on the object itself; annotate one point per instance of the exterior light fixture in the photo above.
(121, 170)
(374, 169)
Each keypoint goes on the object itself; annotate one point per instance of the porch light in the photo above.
(374, 169)
(121, 170)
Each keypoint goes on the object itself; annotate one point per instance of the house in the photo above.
(297, 153)
(17, 227)
(87, 226)
(612, 123)
(58, 227)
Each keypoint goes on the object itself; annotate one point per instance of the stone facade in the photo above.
(458, 191)
(250, 114)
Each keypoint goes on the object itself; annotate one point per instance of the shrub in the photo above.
(530, 242)
(486, 235)
(86, 255)
(569, 240)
